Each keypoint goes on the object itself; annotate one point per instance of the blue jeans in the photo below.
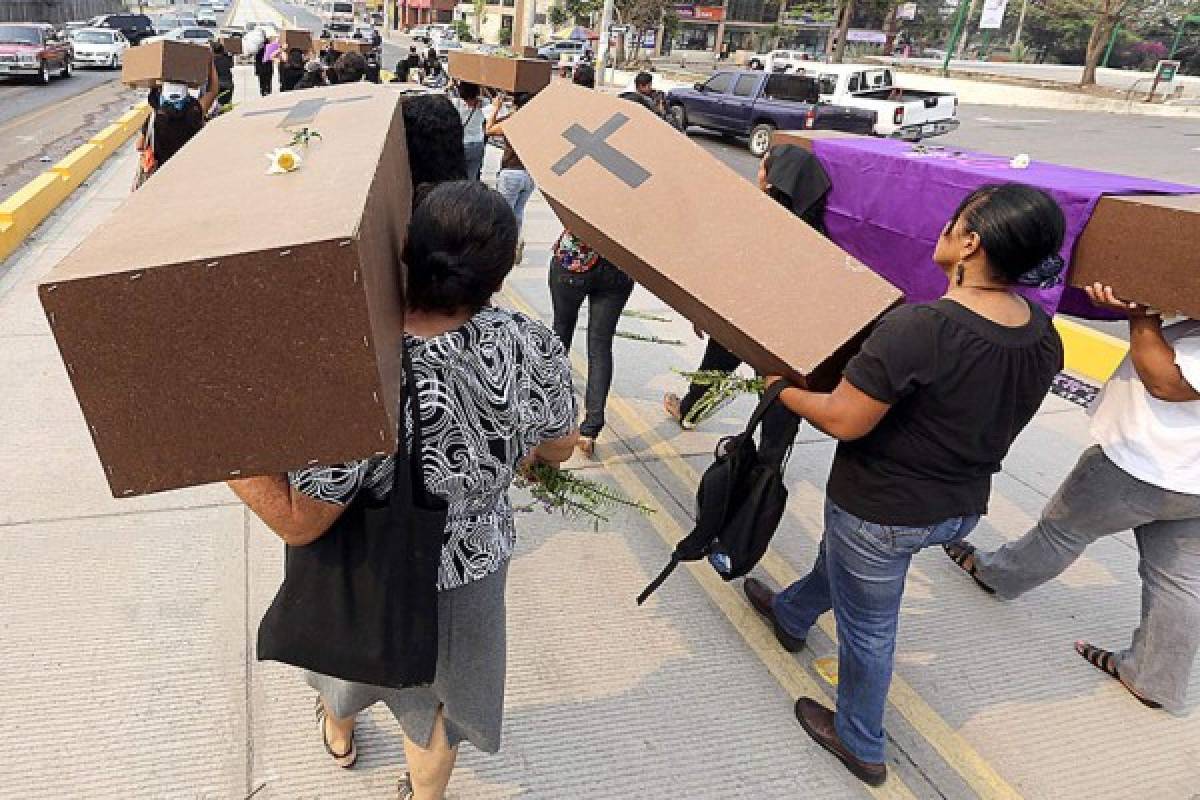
(515, 186)
(860, 574)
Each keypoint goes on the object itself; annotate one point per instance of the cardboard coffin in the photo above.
(352, 46)
(1144, 246)
(296, 38)
(733, 261)
(498, 72)
(232, 45)
(225, 322)
(155, 63)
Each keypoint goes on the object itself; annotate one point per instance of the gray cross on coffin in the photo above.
(303, 112)
(596, 147)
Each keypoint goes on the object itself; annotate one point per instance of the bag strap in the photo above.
(657, 582)
(769, 397)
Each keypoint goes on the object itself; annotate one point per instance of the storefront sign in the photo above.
(705, 13)
(993, 14)
(650, 39)
(906, 11)
(871, 37)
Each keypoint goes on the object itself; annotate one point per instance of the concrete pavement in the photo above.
(128, 626)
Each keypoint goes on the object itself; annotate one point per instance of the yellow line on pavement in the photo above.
(1090, 353)
(953, 748)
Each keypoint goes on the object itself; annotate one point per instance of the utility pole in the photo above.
(1020, 22)
(606, 18)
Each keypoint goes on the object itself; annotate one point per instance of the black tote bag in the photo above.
(360, 603)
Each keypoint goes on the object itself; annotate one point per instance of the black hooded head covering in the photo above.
(795, 173)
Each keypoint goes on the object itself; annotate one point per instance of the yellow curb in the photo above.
(25, 209)
(1090, 353)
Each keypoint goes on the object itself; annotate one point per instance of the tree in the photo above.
(843, 31)
(557, 16)
(582, 11)
(480, 9)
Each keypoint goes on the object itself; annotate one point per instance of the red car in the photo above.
(34, 50)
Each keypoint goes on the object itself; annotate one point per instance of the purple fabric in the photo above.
(272, 49)
(888, 206)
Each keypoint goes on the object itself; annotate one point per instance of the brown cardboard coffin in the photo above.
(155, 63)
(498, 72)
(705, 240)
(805, 138)
(1147, 248)
(232, 45)
(352, 46)
(296, 38)
(528, 51)
(224, 322)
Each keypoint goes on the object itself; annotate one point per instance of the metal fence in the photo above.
(55, 11)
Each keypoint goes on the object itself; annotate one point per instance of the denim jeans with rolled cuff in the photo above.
(859, 574)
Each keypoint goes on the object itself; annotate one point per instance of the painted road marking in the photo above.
(950, 745)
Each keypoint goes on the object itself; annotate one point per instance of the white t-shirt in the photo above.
(473, 119)
(1153, 440)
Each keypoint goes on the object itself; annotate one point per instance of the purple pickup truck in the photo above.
(755, 104)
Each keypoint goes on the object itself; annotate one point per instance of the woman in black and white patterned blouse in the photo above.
(494, 391)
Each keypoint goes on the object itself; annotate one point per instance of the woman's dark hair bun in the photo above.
(462, 241)
(1021, 230)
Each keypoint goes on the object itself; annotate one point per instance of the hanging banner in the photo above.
(906, 11)
(993, 14)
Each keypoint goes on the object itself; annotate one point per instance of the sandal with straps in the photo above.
(1106, 662)
(344, 760)
(962, 552)
(405, 789)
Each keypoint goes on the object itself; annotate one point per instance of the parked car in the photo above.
(135, 27)
(220, 5)
(419, 32)
(195, 35)
(756, 104)
(572, 48)
(910, 114)
(34, 50)
(99, 47)
(206, 17)
(75, 25)
(786, 60)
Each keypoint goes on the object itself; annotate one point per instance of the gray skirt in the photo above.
(470, 673)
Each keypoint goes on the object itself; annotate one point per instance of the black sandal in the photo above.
(959, 553)
(344, 760)
(1106, 662)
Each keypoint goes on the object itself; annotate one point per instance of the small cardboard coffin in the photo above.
(352, 46)
(232, 45)
(702, 238)
(498, 72)
(225, 322)
(1147, 248)
(153, 64)
(295, 38)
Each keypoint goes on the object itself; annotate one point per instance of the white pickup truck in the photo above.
(910, 114)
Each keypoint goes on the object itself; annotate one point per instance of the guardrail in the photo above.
(30, 205)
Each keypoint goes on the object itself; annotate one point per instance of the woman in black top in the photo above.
(924, 415)
(291, 70)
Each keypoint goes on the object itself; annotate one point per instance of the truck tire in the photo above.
(677, 114)
(43, 76)
(760, 139)
(66, 68)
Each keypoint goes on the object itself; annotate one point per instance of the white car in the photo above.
(786, 61)
(194, 35)
(219, 5)
(207, 18)
(99, 47)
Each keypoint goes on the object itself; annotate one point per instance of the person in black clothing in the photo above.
(923, 415)
(433, 64)
(645, 94)
(407, 65)
(223, 63)
(264, 68)
(793, 178)
(291, 70)
(176, 117)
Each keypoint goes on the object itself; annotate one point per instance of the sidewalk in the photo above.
(129, 625)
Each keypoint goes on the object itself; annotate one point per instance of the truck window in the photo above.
(791, 88)
(719, 83)
(878, 79)
(853, 87)
(746, 84)
(828, 81)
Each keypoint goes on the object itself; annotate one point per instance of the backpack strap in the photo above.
(657, 582)
(769, 397)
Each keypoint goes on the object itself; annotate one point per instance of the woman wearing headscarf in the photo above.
(793, 177)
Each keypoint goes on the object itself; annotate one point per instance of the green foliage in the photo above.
(584, 10)
(557, 16)
(505, 37)
(564, 492)
(463, 31)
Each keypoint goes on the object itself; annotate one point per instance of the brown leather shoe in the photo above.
(762, 599)
(817, 721)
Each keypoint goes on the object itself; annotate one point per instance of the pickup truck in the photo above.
(34, 50)
(755, 104)
(909, 114)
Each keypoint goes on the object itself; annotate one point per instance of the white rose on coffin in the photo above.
(283, 160)
(1020, 161)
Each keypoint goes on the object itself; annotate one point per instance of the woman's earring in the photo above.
(959, 272)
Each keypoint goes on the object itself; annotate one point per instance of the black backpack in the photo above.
(739, 503)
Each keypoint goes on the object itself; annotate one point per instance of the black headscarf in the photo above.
(795, 173)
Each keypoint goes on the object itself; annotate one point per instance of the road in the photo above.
(1151, 147)
(300, 16)
(1121, 79)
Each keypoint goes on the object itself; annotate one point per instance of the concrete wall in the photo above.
(56, 11)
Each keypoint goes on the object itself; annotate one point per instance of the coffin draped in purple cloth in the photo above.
(888, 205)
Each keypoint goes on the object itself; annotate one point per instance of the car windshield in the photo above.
(94, 37)
(343, 8)
(19, 34)
(194, 34)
